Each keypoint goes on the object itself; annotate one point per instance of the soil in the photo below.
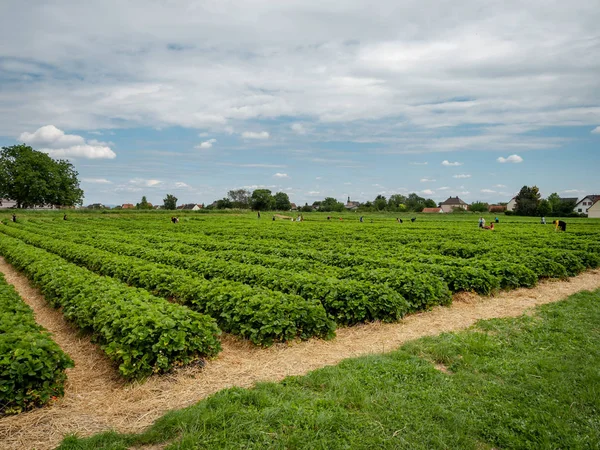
(97, 399)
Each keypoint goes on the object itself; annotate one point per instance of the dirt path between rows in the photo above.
(96, 399)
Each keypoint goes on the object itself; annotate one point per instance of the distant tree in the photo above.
(380, 203)
(331, 204)
(429, 203)
(544, 208)
(415, 203)
(240, 198)
(143, 204)
(555, 202)
(32, 178)
(480, 207)
(527, 201)
(262, 200)
(282, 201)
(396, 202)
(306, 208)
(224, 203)
(170, 202)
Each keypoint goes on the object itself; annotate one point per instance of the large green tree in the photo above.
(32, 178)
(170, 202)
(331, 204)
(527, 201)
(380, 202)
(240, 198)
(480, 207)
(262, 200)
(143, 204)
(282, 202)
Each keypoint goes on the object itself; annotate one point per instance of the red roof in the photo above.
(432, 210)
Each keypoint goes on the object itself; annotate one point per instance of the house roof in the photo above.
(431, 210)
(496, 208)
(594, 198)
(454, 201)
(127, 205)
(188, 206)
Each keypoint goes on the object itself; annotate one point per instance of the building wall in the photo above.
(510, 206)
(583, 205)
(449, 208)
(8, 204)
(594, 211)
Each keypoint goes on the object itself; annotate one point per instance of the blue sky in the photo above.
(313, 98)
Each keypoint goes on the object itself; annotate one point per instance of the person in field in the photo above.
(65, 217)
(413, 219)
(258, 214)
(480, 222)
(490, 227)
(14, 217)
(560, 224)
(543, 220)
(361, 218)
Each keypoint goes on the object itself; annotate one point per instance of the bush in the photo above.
(32, 365)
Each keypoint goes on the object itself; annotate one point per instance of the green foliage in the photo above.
(32, 178)
(240, 198)
(544, 208)
(170, 202)
(527, 201)
(143, 204)
(142, 333)
(224, 203)
(262, 200)
(330, 204)
(282, 201)
(32, 365)
(478, 207)
(380, 203)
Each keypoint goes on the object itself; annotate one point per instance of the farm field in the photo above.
(156, 295)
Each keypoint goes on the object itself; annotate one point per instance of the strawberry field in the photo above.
(155, 295)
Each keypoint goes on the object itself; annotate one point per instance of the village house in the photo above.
(512, 203)
(190, 207)
(593, 211)
(496, 208)
(585, 203)
(432, 210)
(453, 203)
(128, 206)
(351, 205)
(6, 203)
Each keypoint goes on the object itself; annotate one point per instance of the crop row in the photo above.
(346, 301)
(142, 333)
(258, 314)
(32, 365)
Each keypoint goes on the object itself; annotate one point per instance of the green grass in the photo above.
(532, 382)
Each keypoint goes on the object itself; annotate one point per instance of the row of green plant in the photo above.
(257, 314)
(32, 365)
(346, 301)
(142, 333)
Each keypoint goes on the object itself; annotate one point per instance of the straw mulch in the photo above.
(97, 399)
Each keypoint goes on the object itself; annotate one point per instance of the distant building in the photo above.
(496, 208)
(96, 206)
(432, 210)
(351, 205)
(585, 203)
(190, 207)
(593, 211)
(293, 207)
(128, 206)
(6, 203)
(512, 203)
(453, 202)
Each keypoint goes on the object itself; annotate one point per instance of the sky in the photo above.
(313, 98)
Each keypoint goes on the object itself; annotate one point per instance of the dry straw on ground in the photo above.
(97, 399)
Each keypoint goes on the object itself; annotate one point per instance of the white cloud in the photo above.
(596, 130)
(57, 144)
(313, 193)
(255, 135)
(573, 191)
(419, 163)
(424, 180)
(500, 185)
(462, 175)
(511, 159)
(206, 144)
(181, 185)
(96, 180)
(488, 191)
(443, 188)
(427, 192)
(448, 163)
(281, 175)
(298, 128)
(141, 182)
